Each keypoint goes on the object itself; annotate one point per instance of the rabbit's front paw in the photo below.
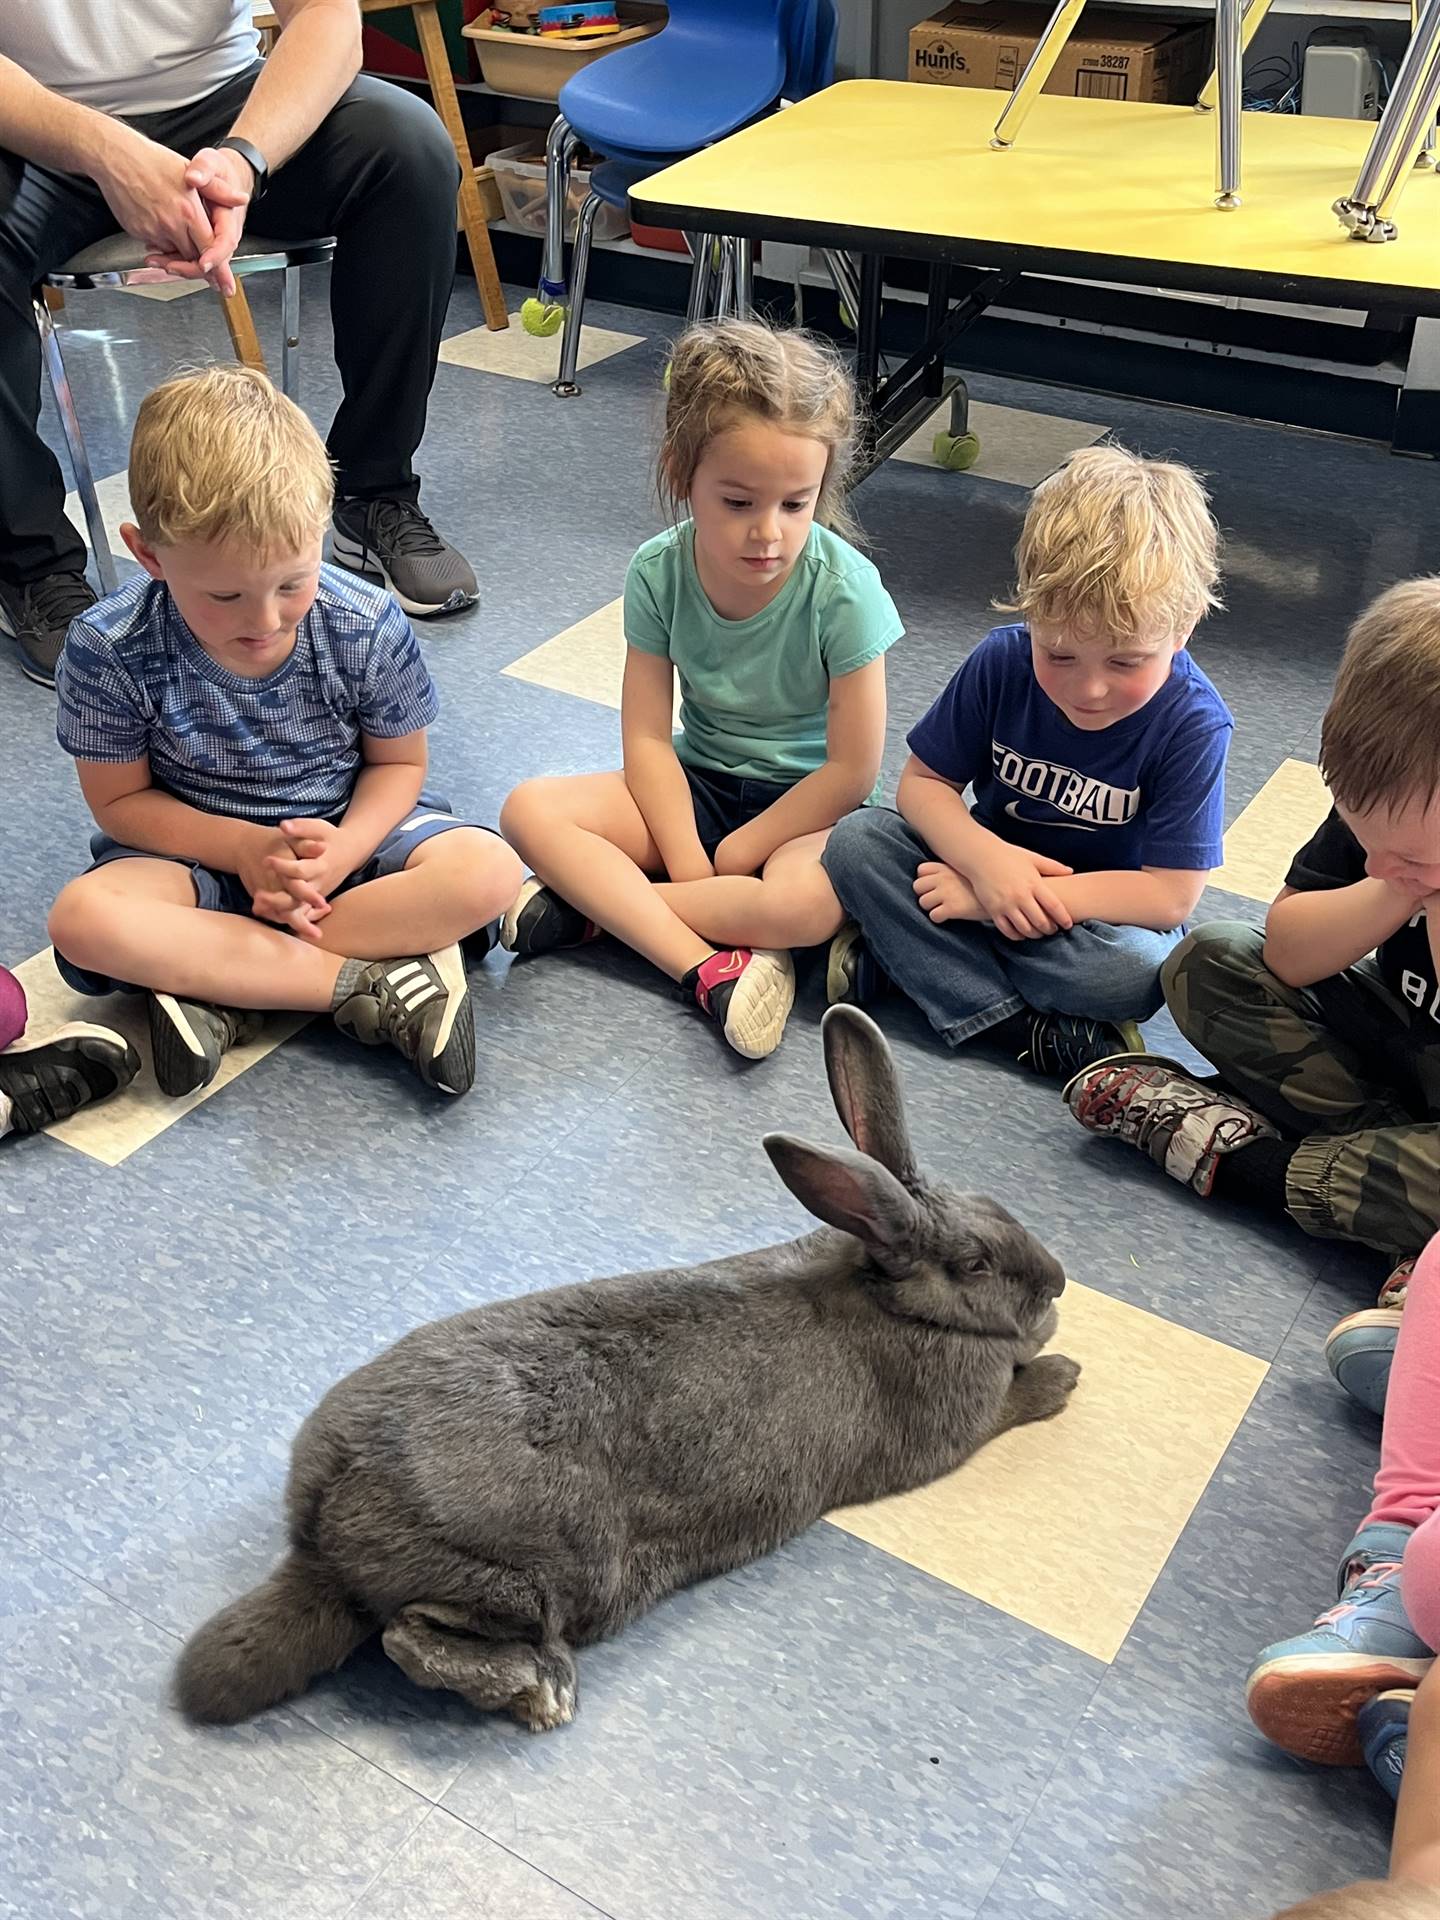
(1047, 1384)
(1038, 1391)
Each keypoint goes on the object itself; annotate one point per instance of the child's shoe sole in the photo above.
(760, 1004)
(1306, 1704)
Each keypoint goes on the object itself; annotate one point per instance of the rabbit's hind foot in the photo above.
(436, 1647)
(551, 1702)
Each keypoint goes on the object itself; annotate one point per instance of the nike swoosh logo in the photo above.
(1012, 807)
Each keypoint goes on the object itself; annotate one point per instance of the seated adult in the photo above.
(158, 118)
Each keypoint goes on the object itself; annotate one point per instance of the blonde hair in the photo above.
(1370, 1900)
(1380, 738)
(726, 371)
(221, 455)
(1119, 546)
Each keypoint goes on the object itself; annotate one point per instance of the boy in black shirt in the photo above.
(1326, 1025)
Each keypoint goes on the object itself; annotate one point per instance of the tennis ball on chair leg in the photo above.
(541, 319)
(13, 1011)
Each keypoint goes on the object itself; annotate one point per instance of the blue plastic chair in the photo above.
(708, 72)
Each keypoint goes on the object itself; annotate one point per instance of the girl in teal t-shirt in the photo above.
(703, 854)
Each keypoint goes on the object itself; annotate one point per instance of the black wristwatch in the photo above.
(254, 159)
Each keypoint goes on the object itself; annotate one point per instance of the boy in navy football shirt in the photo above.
(249, 728)
(1039, 914)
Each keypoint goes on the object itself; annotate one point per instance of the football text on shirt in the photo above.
(1083, 801)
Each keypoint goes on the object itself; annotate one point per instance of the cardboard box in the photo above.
(1110, 56)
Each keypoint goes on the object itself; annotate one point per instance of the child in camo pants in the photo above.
(1325, 1028)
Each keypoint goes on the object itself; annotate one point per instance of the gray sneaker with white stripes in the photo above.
(421, 1006)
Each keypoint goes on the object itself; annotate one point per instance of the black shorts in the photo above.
(725, 801)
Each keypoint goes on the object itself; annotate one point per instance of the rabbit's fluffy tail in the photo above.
(269, 1645)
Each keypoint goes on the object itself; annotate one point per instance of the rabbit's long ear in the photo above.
(866, 1090)
(849, 1191)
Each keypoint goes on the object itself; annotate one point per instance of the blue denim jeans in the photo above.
(965, 977)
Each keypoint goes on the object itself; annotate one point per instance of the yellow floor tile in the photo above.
(1275, 825)
(587, 660)
(1066, 1525)
(114, 1129)
(114, 496)
(522, 356)
(1015, 446)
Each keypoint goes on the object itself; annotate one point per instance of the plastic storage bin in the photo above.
(529, 67)
(520, 175)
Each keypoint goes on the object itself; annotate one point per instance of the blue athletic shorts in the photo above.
(224, 892)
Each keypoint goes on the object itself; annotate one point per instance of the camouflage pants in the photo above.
(1345, 1067)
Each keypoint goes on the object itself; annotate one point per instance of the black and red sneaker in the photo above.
(540, 922)
(748, 993)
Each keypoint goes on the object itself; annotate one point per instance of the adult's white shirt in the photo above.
(129, 56)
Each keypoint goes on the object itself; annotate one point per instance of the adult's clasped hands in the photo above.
(188, 214)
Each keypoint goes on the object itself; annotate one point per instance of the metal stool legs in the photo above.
(1401, 137)
(75, 445)
(290, 334)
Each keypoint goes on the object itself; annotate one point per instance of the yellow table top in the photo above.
(1099, 189)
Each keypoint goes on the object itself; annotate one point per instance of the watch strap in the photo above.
(253, 158)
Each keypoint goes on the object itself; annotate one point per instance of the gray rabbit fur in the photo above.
(519, 1480)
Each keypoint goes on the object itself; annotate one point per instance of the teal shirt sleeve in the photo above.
(645, 625)
(859, 622)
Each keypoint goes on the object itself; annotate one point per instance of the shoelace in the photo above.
(400, 526)
(59, 598)
(405, 987)
(1062, 1047)
(1360, 1593)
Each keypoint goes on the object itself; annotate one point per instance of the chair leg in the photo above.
(240, 323)
(702, 246)
(1229, 53)
(290, 335)
(1038, 69)
(75, 442)
(565, 387)
(744, 279)
(1400, 136)
(725, 298)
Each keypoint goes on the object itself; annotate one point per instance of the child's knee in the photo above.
(498, 874)
(857, 846)
(77, 920)
(529, 808)
(1211, 961)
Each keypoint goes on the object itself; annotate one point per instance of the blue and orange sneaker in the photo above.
(748, 993)
(1305, 1693)
(1383, 1725)
(1361, 1348)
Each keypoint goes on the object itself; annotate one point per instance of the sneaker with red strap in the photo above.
(748, 993)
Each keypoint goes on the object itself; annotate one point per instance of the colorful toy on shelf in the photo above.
(580, 20)
(520, 16)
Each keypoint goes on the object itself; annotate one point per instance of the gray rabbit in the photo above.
(522, 1479)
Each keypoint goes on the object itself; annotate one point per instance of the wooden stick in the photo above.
(241, 324)
(472, 213)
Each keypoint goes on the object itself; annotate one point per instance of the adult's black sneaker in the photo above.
(391, 540)
(37, 616)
